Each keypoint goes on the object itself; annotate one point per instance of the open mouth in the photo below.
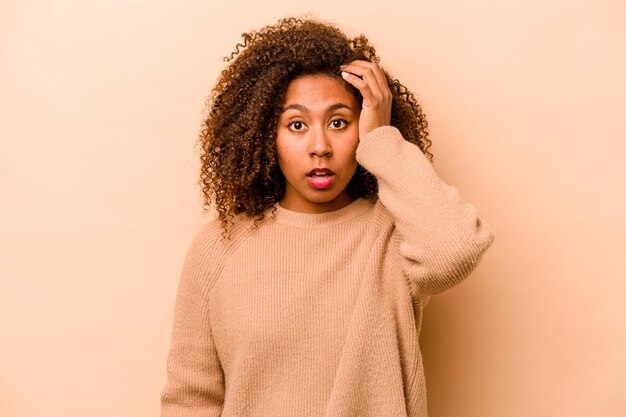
(320, 171)
(321, 179)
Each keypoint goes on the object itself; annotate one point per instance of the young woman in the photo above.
(304, 297)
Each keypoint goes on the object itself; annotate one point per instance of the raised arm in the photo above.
(440, 236)
(195, 380)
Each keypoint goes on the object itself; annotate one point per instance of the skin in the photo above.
(320, 127)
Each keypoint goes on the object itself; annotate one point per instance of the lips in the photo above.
(320, 178)
(320, 172)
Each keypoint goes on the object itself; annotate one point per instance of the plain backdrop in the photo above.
(100, 106)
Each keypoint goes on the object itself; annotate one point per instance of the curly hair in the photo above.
(239, 168)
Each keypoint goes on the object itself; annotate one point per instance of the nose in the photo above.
(319, 144)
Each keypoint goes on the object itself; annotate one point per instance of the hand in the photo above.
(371, 82)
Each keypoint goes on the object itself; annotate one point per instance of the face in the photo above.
(318, 130)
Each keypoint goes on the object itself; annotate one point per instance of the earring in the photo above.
(270, 178)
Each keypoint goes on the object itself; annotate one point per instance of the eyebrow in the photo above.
(303, 109)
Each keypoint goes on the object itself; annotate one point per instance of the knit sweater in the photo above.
(318, 314)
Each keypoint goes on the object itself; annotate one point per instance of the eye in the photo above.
(338, 123)
(297, 126)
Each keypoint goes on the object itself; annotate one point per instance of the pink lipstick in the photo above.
(320, 178)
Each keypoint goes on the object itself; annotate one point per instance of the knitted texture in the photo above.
(319, 314)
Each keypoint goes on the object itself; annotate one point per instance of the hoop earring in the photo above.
(270, 178)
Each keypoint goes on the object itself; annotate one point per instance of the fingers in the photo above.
(370, 80)
(363, 86)
(372, 74)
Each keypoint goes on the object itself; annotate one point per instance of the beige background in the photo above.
(100, 103)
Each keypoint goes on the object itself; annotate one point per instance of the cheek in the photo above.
(349, 147)
(280, 148)
(285, 155)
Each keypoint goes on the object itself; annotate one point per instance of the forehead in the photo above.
(318, 91)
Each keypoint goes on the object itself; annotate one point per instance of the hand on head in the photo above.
(370, 80)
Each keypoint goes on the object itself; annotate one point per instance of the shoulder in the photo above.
(380, 216)
(209, 251)
(209, 241)
(208, 235)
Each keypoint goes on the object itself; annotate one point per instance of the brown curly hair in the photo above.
(239, 168)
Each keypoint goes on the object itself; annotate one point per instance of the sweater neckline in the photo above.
(316, 220)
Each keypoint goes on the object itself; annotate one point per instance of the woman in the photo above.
(305, 296)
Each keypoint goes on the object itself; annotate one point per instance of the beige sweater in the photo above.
(319, 314)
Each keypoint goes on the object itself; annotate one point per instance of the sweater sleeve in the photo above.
(440, 236)
(195, 379)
